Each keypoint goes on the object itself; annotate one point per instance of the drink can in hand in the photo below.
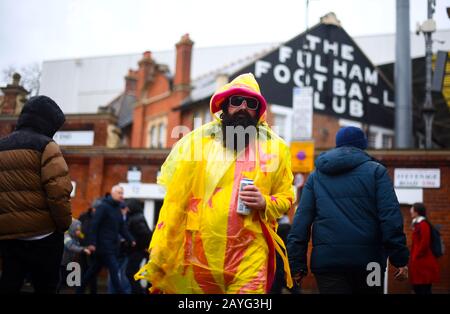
(241, 208)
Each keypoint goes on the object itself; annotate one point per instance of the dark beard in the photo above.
(242, 127)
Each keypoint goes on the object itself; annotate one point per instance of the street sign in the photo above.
(417, 178)
(302, 156)
(74, 138)
(302, 103)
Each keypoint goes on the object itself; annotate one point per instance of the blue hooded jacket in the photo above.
(349, 201)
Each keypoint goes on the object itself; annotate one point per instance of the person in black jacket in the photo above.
(140, 230)
(103, 238)
(350, 202)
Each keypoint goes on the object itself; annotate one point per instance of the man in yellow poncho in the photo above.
(200, 243)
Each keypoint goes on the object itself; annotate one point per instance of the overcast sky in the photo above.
(39, 30)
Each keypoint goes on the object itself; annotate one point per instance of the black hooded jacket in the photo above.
(35, 185)
(138, 225)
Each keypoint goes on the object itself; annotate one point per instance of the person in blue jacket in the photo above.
(349, 201)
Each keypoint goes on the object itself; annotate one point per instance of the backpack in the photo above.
(437, 244)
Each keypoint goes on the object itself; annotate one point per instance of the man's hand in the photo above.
(252, 198)
(401, 273)
(87, 251)
(133, 243)
(91, 248)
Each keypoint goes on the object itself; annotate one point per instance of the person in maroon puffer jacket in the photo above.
(423, 266)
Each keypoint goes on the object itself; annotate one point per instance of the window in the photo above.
(162, 136)
(372, 140)
(153, 137)
(157, 136)
(387, 141)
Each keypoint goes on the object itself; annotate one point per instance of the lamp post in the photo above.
(427, 28)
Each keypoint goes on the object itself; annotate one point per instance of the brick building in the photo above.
(134, 131)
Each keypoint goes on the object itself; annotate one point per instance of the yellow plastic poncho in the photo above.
(200, 244)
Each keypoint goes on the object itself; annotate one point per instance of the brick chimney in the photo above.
(182, 80)
(145, 73)
(131, 82)
(14, 96)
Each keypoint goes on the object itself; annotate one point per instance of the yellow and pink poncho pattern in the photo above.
(200, 244)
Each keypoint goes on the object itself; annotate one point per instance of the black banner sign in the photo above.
(345, 82)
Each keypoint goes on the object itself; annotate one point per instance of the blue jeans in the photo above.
(124, 283)
(106, 259)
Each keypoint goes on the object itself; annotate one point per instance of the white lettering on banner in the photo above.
(322, 62)
(355, 72)
(356, 108)
(371, 77)
(319, 67)
(313, 41)
(355, 91)
(317, 104)
(262, 67)
(284, 53)
(304, 59)
(347, 52)
(339, 106)
(386, 101)
(320, 79)
(327, 47)
(282, 73)
(297, 77)
(339, 69)
(339, 87)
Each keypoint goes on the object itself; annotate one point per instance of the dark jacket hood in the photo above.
(341, 159)
(42, 115)
(134, 205)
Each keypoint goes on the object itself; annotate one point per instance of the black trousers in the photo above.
(40, 259)
(134, 262)
(422, 289)
(349, 282)
(279, 281)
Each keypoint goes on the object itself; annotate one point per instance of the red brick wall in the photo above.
(324, 130)
(138, 126)
(96, 171)
(159, 86)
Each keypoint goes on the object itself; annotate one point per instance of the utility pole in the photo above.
(402, 76)
(427, 28)
(306, 14)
